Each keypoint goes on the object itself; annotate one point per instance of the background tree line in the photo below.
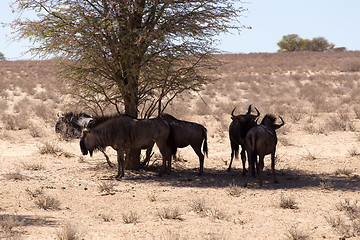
(294, 43)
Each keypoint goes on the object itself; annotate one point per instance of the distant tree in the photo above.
(320, 44)
(291, 43)
(2, 57)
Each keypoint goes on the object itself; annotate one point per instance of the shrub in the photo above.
(47, 203)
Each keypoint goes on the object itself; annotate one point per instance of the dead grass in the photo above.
(106, 188)
(288, 202)
(68, 232)
(295, 233)
(130, 217)
(170, 213)
(47, 203)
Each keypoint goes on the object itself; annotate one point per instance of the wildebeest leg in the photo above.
(273, 167)
(251, 157)
(234, 153)
(243, 159)
(165, 154)
(198, 152)
(107, 158)
(260, 167)
(120, 158)
(148, 156)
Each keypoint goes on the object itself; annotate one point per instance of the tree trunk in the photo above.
(132, 161)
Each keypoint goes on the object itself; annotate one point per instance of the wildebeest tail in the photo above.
(253, 154)
(205, 147)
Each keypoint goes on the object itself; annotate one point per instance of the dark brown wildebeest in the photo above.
(261, 140)
(238, 129)
(186, 133)
(124, 132)
(70, 125)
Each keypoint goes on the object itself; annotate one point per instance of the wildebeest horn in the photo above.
(249, 109)
(280, 125)
(232, 113)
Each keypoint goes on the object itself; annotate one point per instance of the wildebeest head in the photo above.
(245, 117)
(269, 120)
(83, 146)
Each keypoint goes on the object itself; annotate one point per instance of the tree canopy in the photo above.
(133, 55)
(2, 57)
(293, 43)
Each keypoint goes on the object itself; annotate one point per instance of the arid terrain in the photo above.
(50, 191)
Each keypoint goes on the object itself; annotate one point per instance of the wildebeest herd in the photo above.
(122, 133)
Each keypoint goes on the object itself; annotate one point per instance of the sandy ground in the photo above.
(306, 170)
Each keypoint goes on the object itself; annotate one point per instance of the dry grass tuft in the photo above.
(34, 193)
(16, 176)
(49, 148)
(234, 190)
(130, 217)
(68, 232)
(106, 188)
(47, 203)
(288, 202)
(170, 213)
(33, 166)
(295, 234)
(198, 205)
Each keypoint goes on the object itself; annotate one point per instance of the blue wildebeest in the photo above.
(261, 140)
(124, 132)
(238, 129)
(186, 133)
(70, 125)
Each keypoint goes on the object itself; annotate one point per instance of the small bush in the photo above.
(352, 210)
(288, 202)
(107, 188)
(68, 232)
(15, 176)
(33, 166)
(47, 203)
(198, 205)
(106, 217)
(295, 234)
(35, 193)
(218, 214)
(49, 148)
(169, 213)
(130, 217)
(152, 197)
(234, 190)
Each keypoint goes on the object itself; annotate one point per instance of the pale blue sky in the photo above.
(337, 21)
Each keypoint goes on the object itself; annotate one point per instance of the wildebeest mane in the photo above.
(270, 118)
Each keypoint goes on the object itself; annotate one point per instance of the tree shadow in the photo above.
(215, 178)
(29, 220)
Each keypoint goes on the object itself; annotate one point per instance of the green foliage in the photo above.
(293, 43)
(2, 57)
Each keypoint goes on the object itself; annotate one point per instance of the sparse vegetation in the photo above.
(68, 232)
(306, 89)
(295, 234)
(288, 202)
(47, 203)
(130, 217)
(170, 213)
(106, 188)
